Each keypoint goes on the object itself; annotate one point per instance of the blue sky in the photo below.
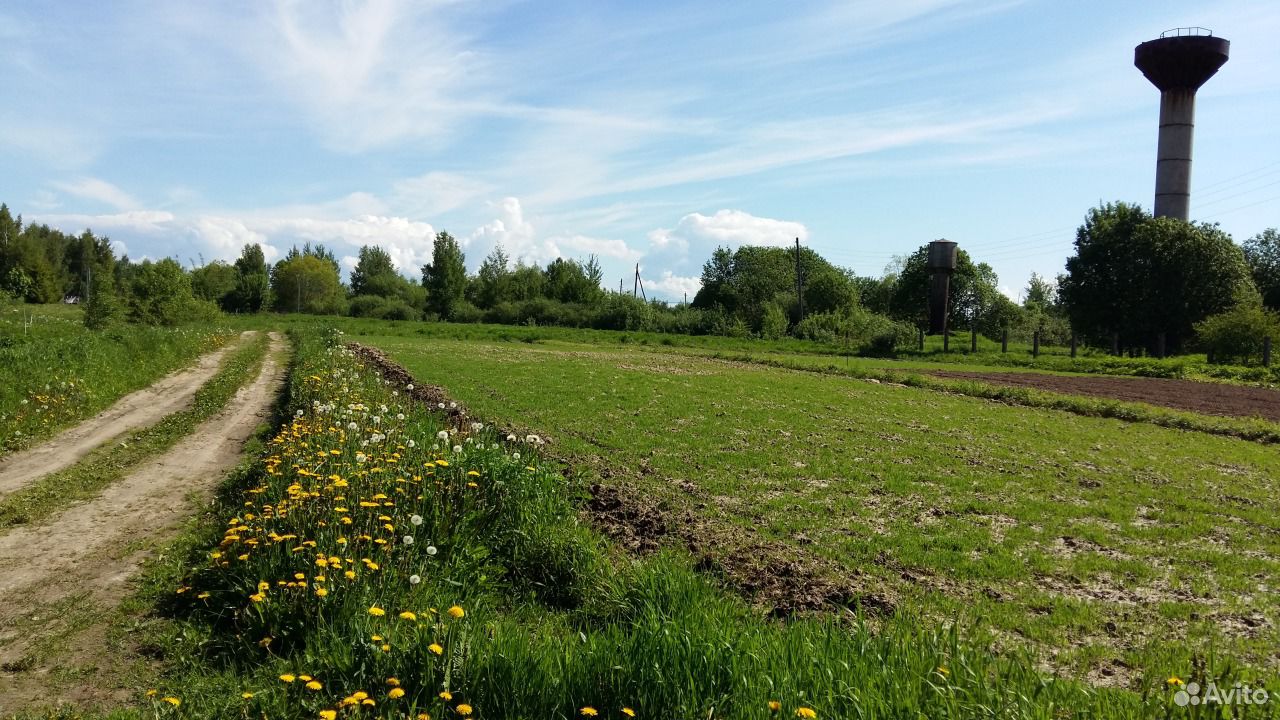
(640, 132)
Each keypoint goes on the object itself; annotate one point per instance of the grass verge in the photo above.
(107, 464)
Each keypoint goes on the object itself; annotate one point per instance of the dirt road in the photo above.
(135, 410)
(86, 554)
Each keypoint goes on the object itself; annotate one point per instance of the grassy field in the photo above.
(1120, 553)
(1019, 357)
(370, 566)
(54, 372)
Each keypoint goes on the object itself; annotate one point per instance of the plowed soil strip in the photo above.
(77, 552)
(135, 410)
(1189, 395)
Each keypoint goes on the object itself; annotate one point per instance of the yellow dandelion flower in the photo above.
(386, 648)
(359, 695)
(473, 473)
(396, 693)
(423, 716)
(446, 695)
(407, 615)
(321, 592)
(456, 612)
(588, 711)
(350, 574)
(393, 682)
(173, 701)
(246, 695)
(305, 678)
(1174, 680)
(628, 712)
(463, 709)
(435, 649)
(152, 692)
(328, 714)
(288, 677)
(807, 713)
(368, 701)
(377, 611)
(314, 685)
(943, 670)
(376, 638)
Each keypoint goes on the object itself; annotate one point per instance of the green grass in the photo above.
(555, 619)
(54, 372)
(1019, 357)
(51, 493)
(1103, 546)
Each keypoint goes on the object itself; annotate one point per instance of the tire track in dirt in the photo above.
(138, 409)
(92, 549)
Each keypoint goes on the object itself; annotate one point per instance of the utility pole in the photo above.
(799, 282)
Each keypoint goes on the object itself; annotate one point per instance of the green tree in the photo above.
(303, 282)
(493, 280)
(161, 295)
(569, 281)
(253, 282)
(1262, 253)
(1041, 294)
(375, 274)
(1139, 276)
(973, 290)
(445, 278)
(213, 282)
(527, 282)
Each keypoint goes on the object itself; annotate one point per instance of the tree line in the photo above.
(1132, 277)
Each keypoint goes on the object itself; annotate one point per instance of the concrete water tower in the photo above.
(1178, 63)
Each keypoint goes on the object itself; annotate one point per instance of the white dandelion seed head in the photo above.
(399, 416)
(457, 448)
(352, 426)
(407, 539)
(515, 455)
(361, 457)
(443, 434)
(511, 438)
(412, 444)
(453, 404)
(414, 579)
(477, 427)
(441, 406)
(431, 550)
(415, 519)
(409, 387)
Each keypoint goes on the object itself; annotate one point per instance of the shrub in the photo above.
(1237, 334)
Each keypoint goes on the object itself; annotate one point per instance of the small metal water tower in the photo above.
(941, 264)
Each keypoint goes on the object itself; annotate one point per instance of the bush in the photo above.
(1237, 335)
(383, 308)
(773, 324)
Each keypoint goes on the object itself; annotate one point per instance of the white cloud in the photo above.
(436, 192)
(514, 233)
(678, 252)
(98, 190)
(674, 287)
